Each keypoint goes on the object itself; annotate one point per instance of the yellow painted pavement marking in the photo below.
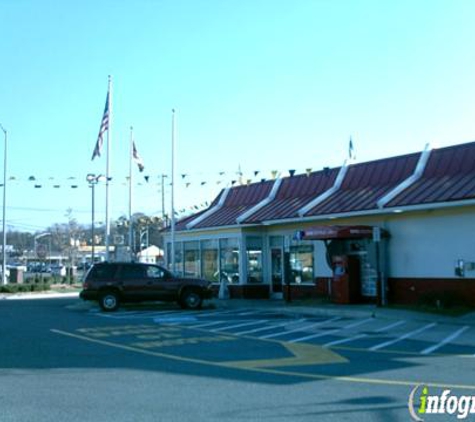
(303, 354)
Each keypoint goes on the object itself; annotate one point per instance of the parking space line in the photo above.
(403, 337)
(345, 340)
(446, 340)
(303, 329)
(230, 327)
(209, 324)
(312, 336)
(269, 327)
(388, 327)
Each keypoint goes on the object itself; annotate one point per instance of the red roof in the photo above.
(294, 193)
(366, 183)
(239, 200)
(449, 176)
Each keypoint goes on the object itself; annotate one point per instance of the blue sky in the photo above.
(258, 85)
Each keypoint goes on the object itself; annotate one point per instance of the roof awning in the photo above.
(341, 232)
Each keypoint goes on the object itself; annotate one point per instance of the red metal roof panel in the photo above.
(366, 183)
(449, 176)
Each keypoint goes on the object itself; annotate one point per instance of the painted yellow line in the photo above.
(360, 380)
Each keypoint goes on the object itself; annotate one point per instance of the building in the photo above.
(402, 227)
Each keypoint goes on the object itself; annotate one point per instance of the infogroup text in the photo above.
(445, 403)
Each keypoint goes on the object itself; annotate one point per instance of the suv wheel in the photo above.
(109, 301)
(191, 299)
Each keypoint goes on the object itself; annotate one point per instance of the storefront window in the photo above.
(254, 259)
(192, 259)
(301, 263)
(209, 249)
(229, 260)
(276, 244)
(179, 258)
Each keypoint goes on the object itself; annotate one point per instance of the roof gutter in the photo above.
(325, 195)
(261, 204)
(211, 211)
(421, 165)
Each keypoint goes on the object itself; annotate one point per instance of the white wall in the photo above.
(429, 244)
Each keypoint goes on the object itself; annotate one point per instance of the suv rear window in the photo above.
(102, 272)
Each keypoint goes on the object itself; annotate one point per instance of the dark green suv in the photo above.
(113, 283)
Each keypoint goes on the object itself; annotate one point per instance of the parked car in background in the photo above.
(113, 283)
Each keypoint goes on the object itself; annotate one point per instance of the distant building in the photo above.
(402, 227)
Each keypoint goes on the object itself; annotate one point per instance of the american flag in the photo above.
(102, 130)
(136, 157)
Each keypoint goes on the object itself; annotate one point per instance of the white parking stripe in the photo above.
(230, 327)
(345, 340)
(403, 337)
(270, 327)
(283, 333)
(209, 324)
(446, 340)
(388, 327)
(312, 336)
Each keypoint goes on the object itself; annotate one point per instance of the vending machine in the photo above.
(346, 282)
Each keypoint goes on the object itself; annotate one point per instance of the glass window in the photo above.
(192, 259)
(254, 259)
(132, 272)
(209, 249)
(102, 272)
(169, 255)
(229, 260)
(155, 272)
(179, 258)
(301, 263)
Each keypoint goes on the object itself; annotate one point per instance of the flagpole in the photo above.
(173, 195)
(130, 192)
(108, 170)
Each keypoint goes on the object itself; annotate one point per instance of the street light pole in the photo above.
(93, 180)
(4, 240)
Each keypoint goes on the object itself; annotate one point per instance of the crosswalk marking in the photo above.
(388, 327)
(274, 325)
(283, 333)
(270, 327)
(312, 336)
(245, 324)
(446, 340)
(403, 337)
(345, 340)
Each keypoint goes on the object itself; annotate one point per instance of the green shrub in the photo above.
(35, 286)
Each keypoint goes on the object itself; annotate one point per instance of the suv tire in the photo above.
(109, 301)
(191, 299)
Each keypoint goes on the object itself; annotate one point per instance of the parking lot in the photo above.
(369, 334)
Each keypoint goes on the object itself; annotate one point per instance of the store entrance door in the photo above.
(277, 267)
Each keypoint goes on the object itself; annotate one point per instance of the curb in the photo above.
(31, 296)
